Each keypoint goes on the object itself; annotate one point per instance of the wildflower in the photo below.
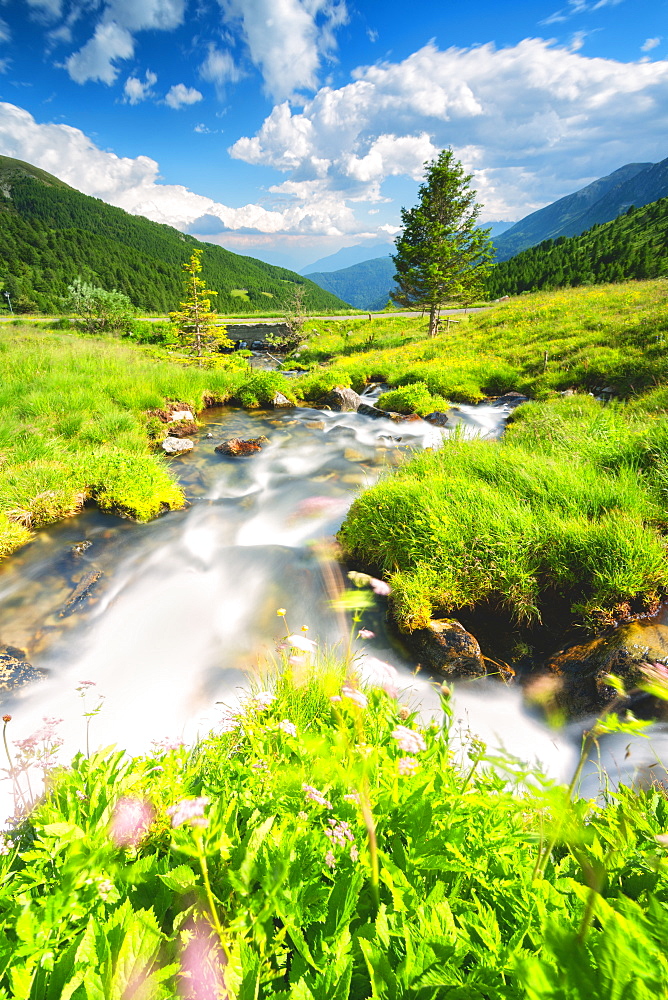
(313, 795)
(365, 633)
(130, 821)
(335, 697)
(281, 612)
(81, 795)
(355, 696)
(228, 723)
(296, 661)
(85, 684)
(381, 674)
(301, 642)
(202, 963)
(263, 699)
(354, 853)
(330, 860)
(352, 797)
(304, 628)
(260, 765)
(409, 740)
(288, 727)
(302, 815)
(6, 845)
(105, 887)
(380, 587)
(164, 746)
(6, 718)
(407, 766)
(189, 810)
(339, 832)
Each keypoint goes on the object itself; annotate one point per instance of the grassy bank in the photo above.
(75, 425)
(610, 336)
(565, 518)
(325, 845)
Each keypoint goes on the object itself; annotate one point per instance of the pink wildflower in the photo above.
(313, 795)
(365, 633)
(339, 832)
(302, 815)
(330, 860)
(297, 641)
(335, 698)
(352, 797)
(202, 964)
(189, 810)
(288, 727)
(6, 845)
(380, 587)
(355, 696)
(354, 853)
(409, 740)
(86, 684)
(263, 699)
(407, 766)
(130, 821)
(381, 674)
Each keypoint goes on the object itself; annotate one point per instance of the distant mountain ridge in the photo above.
(365, 285)
(601, 201)
(50, 234)
(346, 257)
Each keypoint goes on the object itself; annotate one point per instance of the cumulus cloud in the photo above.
(113, 38)
(532, 121)
(137, 90)
(179, 95)
(649, 44)
(287, 39)
(133, 183)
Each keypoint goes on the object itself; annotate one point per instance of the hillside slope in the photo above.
(50, 233)
(635, 245)
(366, 285)
(603, 200)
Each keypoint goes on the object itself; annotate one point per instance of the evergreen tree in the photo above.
(194, 321)
(441, 254)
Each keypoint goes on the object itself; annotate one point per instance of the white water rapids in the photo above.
(186, 606)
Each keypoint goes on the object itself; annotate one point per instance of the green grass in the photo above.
(447, 880)
(75, 427)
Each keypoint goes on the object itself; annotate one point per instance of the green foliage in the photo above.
(51, 234)
(398, 875)
(414, 397)
(194, 321)
(441, 253)
(631, 246)
(99, 311)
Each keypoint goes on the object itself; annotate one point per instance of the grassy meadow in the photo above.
(326, 845)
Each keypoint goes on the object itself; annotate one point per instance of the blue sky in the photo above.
(287, 129)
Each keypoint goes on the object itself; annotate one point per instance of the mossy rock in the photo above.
(446, 646)
(584, 668)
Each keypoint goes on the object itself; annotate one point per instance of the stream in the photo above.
(184, 608)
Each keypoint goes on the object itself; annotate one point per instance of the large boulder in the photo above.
(177, 446)
(582, 669)
(446, 646)
(342, 399)
(280, 402)
(438, 419)
(235, 447)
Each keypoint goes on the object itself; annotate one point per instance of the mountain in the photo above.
(348, 256)
(496, 228)
(365, 286)
(603, 200)
(50, 233)
(634, 245)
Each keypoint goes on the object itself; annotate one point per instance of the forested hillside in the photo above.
(365, 286)
(635, 245)
(50, 234)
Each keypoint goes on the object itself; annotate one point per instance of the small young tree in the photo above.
(294, 318)
(98, 310)
(194, 321)
(441, 254)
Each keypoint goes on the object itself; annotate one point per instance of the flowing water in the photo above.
(176, 614)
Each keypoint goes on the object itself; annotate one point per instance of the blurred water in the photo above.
(185, 608)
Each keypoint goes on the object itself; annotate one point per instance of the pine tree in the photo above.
(194, 321)
(441, 254)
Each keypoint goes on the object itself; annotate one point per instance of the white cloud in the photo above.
(95, 60)
(533, 121)
(137, 90)
(650, 43)
(113, 38)
(179, 95)
(287, 38)
(219, 68)
(578, 7)
(49, 9)
(132, 183)
(5, 33)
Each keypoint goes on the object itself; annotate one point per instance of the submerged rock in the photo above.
(511, 399)
(343, 399)
(79, 548)
(234, 447)
(446, 646)
(177, 446)
(437, 418)
(81, 592)
(15, 671)
(367, 410)
(582, 669)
